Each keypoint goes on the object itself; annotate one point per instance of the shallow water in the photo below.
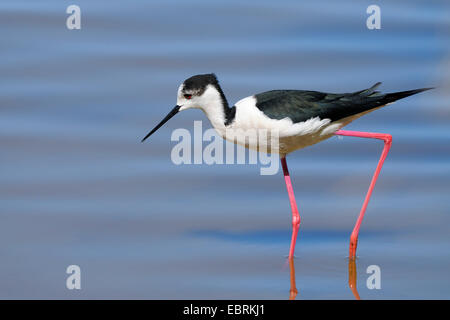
(78, 187)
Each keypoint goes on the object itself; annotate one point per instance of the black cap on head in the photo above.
(196, 85)
(199, 82)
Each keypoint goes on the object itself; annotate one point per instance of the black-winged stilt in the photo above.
(300, 118)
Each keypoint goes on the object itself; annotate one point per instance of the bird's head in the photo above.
(197, 92)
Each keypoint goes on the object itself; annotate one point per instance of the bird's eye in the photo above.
(188, 96)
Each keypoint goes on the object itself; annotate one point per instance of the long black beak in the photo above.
(167, 118)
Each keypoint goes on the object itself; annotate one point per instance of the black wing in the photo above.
(301, 105)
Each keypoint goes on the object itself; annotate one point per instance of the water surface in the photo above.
(78, 187)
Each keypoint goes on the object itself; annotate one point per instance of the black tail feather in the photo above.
(391, 97)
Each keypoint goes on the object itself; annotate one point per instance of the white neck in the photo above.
(212, 106)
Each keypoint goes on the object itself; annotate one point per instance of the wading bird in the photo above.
(300, 118)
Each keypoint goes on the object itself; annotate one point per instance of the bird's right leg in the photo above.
(295, 214)
(387, 138)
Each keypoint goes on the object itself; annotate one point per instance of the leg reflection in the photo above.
(352, 275)
(293, 291)
(352, 279)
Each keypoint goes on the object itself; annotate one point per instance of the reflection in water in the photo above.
(293, 291)
(352, 277)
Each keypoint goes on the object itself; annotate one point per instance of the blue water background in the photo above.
(78, 187)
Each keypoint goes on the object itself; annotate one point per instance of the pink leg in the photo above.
(295, 215)
(387, 138)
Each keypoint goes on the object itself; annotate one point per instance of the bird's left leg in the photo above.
(295, 214)
(387, 138)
